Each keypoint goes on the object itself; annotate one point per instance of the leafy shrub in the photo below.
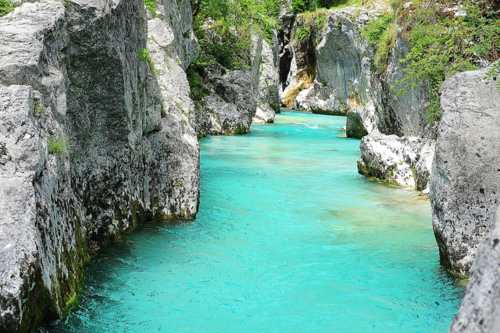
(59, 147)
(302, 6)
(39, 109)
(443, 44)
(494, 73)
(396, 4)
(151, 6)
(143, 55)
(224, 28)
(6, 7)
(196, 85)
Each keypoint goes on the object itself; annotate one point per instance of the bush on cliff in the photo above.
(224, 29)
(6, 7)
(445, 40)
(445, 37)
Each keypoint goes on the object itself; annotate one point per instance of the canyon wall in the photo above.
(91, 141)
(342, 77)
(346, 76)
(480, 310)
(465, 180)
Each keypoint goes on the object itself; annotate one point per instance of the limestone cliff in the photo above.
(480, 309)
(465, 179)
(86, 151)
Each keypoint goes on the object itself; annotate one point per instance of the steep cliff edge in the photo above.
(465, 179)
(85, 151)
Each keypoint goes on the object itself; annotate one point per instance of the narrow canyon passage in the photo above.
(289, 238)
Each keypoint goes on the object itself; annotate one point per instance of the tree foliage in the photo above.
(443, 43)
(6, 7)
(302, 6)
(224, 28)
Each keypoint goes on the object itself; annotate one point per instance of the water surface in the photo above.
(289, 238)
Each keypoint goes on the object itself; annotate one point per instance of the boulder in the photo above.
(465, 178)
(263, 115)
(361, 121)
(388, 158)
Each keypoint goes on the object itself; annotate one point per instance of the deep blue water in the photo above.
(289, 238)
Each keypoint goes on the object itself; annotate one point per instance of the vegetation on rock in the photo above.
(224, 29)
(6, 7)
(58, 146)
(445, 40)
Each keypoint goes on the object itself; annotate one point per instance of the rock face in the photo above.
(85, 153)
(480, 310)
(465, 180)
(231, 105)
(387, 157)
(265, 76)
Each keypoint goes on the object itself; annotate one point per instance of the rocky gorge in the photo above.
(99, 132)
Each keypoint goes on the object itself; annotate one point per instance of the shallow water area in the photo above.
(289, 238)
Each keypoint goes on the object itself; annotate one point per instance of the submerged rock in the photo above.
(465, 179)
(480, 309)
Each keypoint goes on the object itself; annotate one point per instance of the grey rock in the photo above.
(178, 136)
(72, 73)
(408, 113)
(465, 182)
(177, 14)
(263, 115)
(231, 106)
(339, 65)
(387, 157)
(480, 309)
(361, 121)
(265, 74)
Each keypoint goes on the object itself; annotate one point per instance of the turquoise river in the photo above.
(289, 238)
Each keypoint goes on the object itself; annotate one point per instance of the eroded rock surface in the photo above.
(85, 153)
(387, 157)
(465, 180)
(361, 121)
(230, 107)
(480, 309)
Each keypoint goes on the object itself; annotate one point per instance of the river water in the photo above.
(289, 238)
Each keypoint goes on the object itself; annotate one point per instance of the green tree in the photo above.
(224, 28)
